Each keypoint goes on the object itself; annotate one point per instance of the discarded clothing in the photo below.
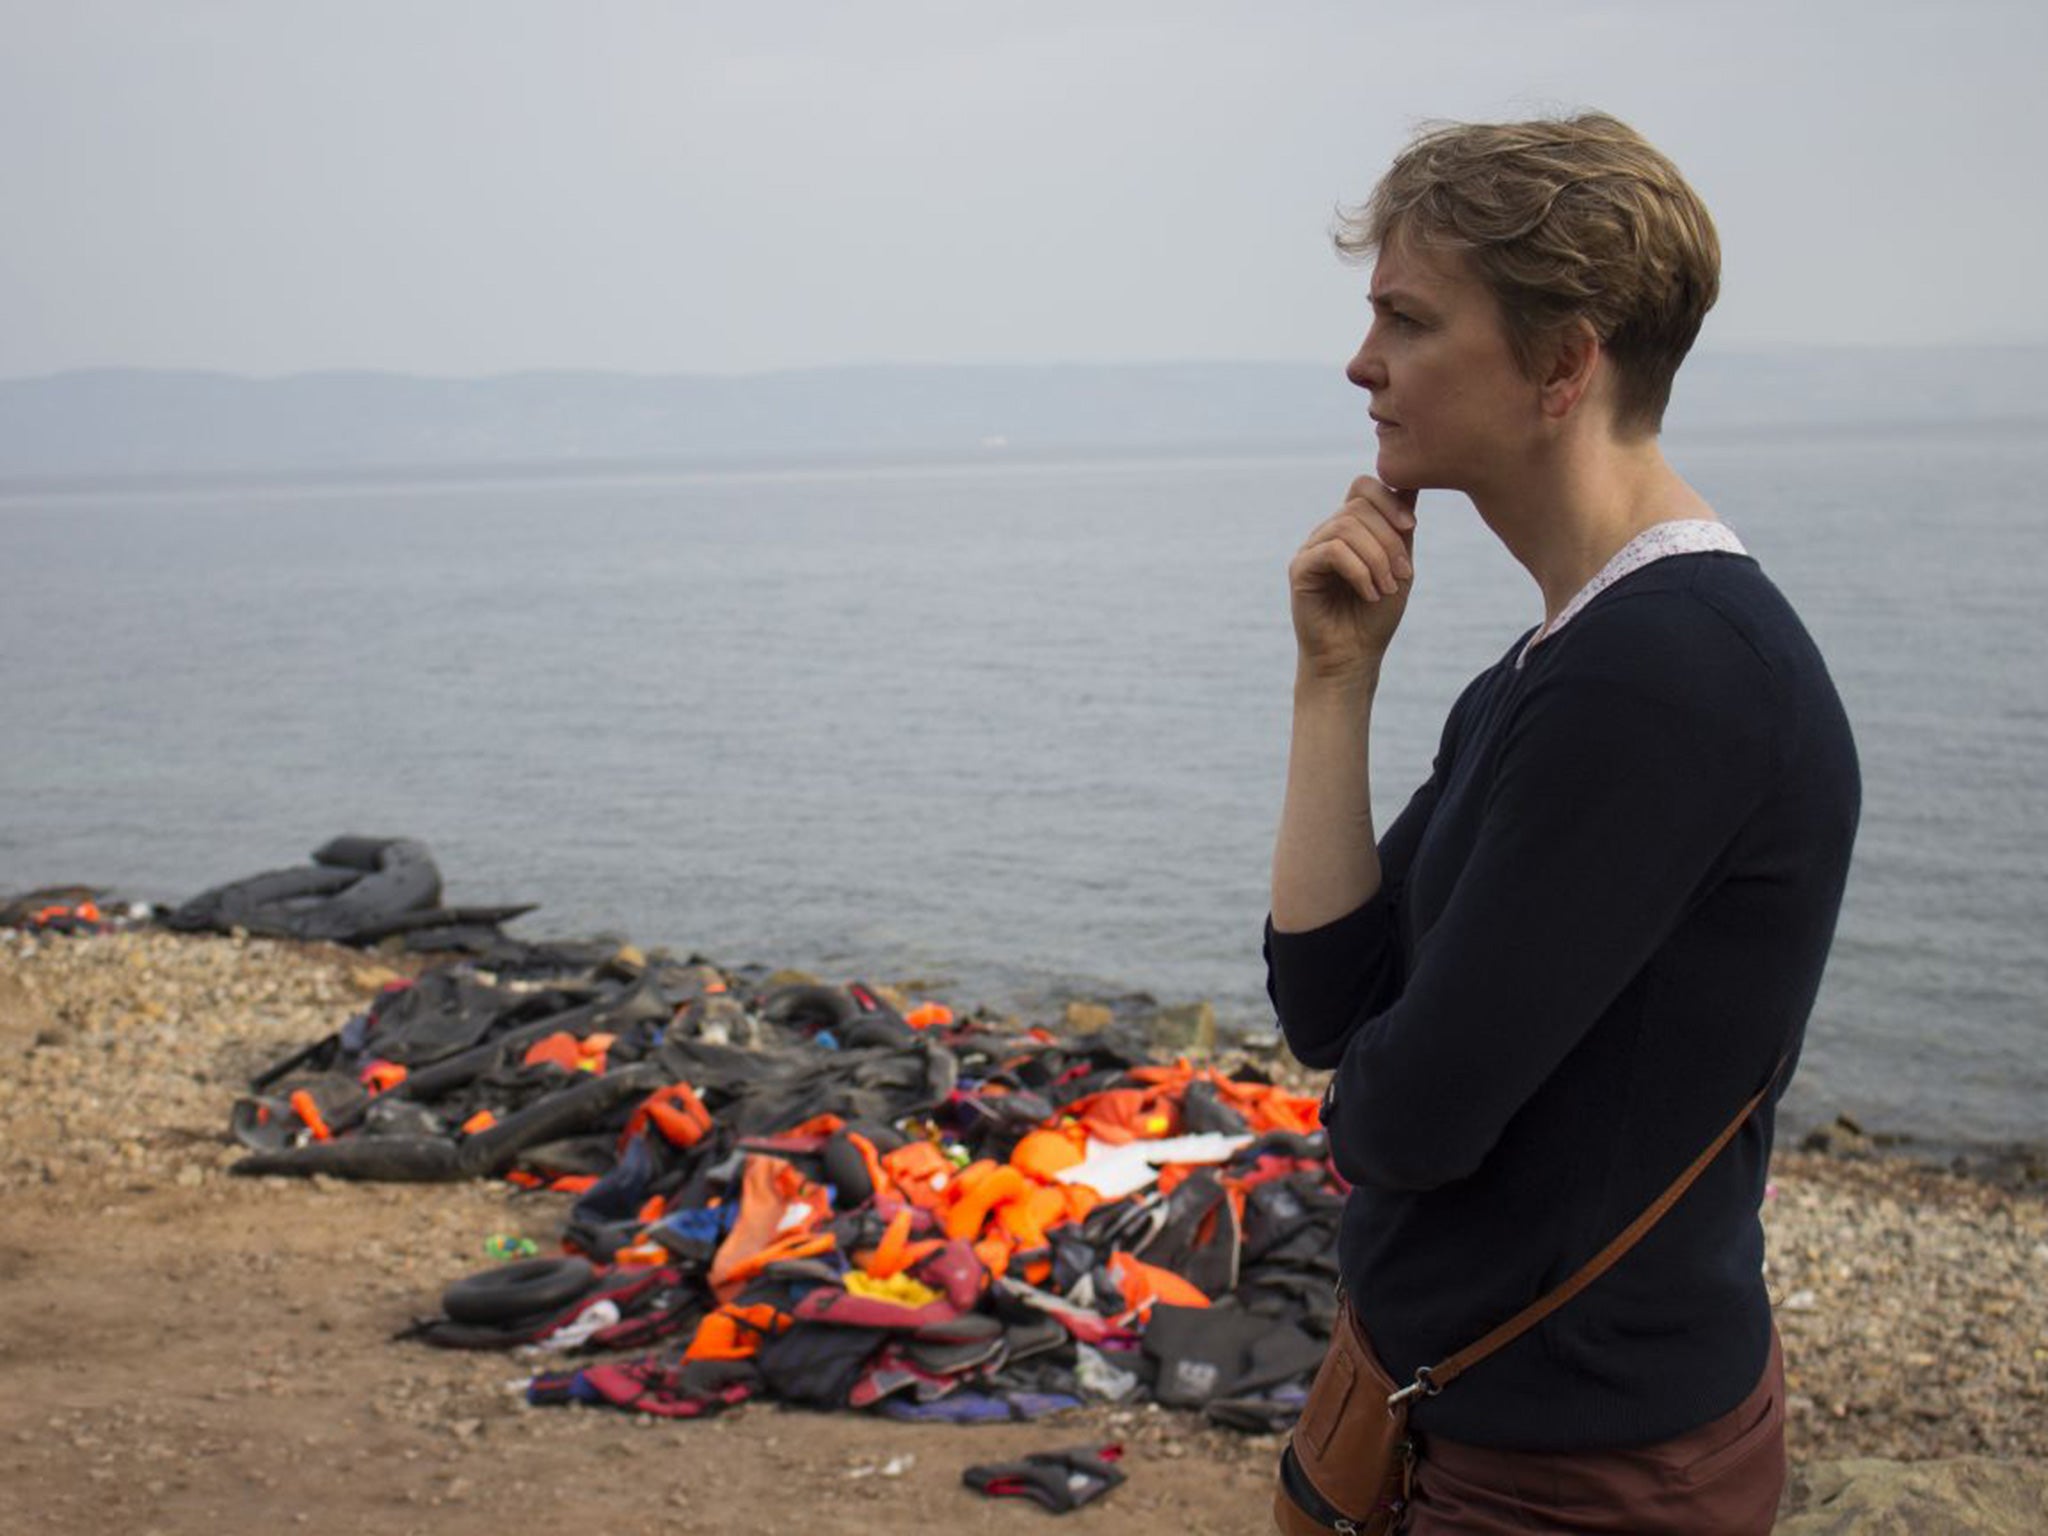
(1062, 1481)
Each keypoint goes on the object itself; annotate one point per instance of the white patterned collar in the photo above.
(1684, 536)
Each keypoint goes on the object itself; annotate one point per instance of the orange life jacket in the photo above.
(776, 1203)
(675, 1111)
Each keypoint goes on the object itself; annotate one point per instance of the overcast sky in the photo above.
(269, 186)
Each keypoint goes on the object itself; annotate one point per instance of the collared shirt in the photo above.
(1682, 536)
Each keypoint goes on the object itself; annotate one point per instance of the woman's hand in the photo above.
(1348, 584)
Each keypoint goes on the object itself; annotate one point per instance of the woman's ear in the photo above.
(1570, 365)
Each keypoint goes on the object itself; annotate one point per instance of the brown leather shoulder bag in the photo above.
(1349, 1464)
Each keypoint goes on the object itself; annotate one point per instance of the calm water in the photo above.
(1020, 727)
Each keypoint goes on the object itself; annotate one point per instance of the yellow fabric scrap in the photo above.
(900, 1289)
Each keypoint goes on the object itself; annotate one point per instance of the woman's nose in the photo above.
(1364, 369)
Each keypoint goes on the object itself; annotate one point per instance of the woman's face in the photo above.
(1451, 406)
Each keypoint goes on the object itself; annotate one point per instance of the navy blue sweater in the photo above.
(1601, 921)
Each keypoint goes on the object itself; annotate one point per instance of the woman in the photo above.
(1598, 928)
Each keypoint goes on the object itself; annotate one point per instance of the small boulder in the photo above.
(372, 978)
(1188, 1030)
(1843, 1138)
(1087, 1018)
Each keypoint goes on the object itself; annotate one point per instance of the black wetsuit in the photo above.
(1602, 920)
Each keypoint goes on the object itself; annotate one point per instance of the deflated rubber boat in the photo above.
(357, 890)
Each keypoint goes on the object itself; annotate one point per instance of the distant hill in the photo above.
(119, 422)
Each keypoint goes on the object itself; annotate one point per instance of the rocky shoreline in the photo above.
(1913, 1299)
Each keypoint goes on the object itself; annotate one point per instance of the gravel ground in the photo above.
(183, 1348)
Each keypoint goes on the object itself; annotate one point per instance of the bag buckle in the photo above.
(1425, 1384)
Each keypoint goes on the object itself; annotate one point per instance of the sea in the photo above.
(1011, 729)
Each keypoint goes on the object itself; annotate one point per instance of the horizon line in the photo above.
(572, 371)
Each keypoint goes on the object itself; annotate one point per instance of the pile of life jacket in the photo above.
(805, 1193)
(802, 1192)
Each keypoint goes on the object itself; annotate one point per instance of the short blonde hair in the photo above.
(1562, 219)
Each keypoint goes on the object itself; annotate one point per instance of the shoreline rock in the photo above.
(2015, 1165)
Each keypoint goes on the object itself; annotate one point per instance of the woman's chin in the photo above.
(1405, 472)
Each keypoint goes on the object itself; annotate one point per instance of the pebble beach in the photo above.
(1913, 1299)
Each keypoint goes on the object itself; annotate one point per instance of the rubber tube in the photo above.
(512, 1291)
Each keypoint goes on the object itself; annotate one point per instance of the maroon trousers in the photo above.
(1722, 1479)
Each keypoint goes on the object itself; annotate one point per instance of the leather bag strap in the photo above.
(1430, 1380)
